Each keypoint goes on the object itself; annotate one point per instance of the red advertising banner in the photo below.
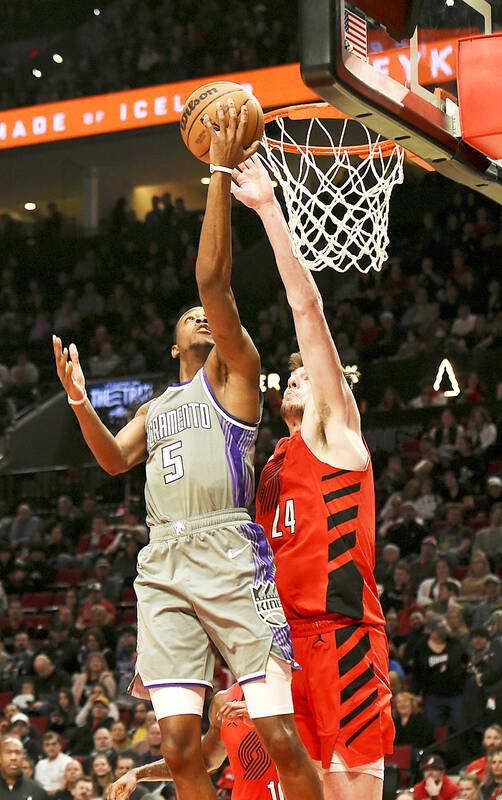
(157, 105)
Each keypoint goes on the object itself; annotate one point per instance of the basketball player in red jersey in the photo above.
(230, 732)
(316, 503)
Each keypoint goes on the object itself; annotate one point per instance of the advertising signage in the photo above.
(158, 105)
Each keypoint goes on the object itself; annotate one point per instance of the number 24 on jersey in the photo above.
(288, 521)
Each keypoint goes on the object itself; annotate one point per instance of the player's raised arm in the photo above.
(114, 454)
(332, 396)
(214, 261)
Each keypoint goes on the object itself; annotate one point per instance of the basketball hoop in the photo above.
(338, 212)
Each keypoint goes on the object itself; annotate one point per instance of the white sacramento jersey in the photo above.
(200, 458)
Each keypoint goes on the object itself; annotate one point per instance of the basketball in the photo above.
(203, 101)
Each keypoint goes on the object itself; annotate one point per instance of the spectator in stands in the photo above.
(489, 539)
(384, 567)
(90, 304)
(455, 540)
(96, 672)
(489, 672)
(494, 491)
(26, 697)
(393, 594)
(428, 502)
(6, 558)
(62, 717)
(445, 436)
(492, 784)
(472, 587)
(392, 478)
(408, 530)
(106, 362)
(120, 738)
(23, 528)
(19, 662)
(452, 491)
(111, 584)
(95, 542)
(24, 378)
(61, 647)
(455, 620)
(423, 565)
(48, 683)
(102, 746)
(72, 773)
(428, 589)
(125, 762)
(95, 598)
(58, 549)
(138, 730)
(40, 572)
(412, 725)
(435, 783)
(126, 649)
(101, 775)
(13, 783)
(49, 772)
(66, 518)
(29, 736)
(492, 741)
(415, 639)
(469, 786)
(93, 641)
(439, 674)
(90, 714)
(481, 430)
(82, 789)
(492, 601)
(448, 594)
(153, 737)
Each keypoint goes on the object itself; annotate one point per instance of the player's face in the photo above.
(192, 330)
(296, 395)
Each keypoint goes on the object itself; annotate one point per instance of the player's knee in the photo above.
(283, 744)
(180, 749)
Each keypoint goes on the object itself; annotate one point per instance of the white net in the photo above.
(337, 204)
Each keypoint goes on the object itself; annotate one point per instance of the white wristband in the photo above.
(77, 402)
(212, 169)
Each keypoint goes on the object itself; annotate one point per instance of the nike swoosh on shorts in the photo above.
(235, 553)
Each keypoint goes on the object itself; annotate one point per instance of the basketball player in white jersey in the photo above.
(207, 572)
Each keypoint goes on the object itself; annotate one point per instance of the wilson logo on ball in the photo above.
(193, 104)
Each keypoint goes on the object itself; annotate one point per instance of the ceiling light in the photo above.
(205, 181)
(96, 12)
(30, 206)
(36, 72)
(57, 58)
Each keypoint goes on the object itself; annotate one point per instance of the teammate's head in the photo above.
(192, 334)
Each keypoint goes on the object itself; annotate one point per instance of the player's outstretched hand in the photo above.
(123, 787)
(252, 186)
(69, 369)
(235, 709)
(227, 149)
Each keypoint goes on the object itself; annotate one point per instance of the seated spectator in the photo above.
(473, 392)
(26, 697)
(415, 639)
(489, 673)
(435, 783)
(481, 431)
(96, 671)
(452, 491)
(384, 566)
(494, 491)
(120, 738)
(126, 650)
(448, 593)
(49, 772)
(13, 783)
(468, 465)
(455, 620)
(102, 746)
(492, 601)
(445, 436)
(393, 594)
(95, 542)
(138, 729)
(48, 683)
(72, 773)
(154, 739)
(464, 323)
(82, 790)
(95, 711)
(101, 775)
(125, 762)
(392, 478)
(23, 528)
(470, 787)
(492, 741)
(62, 716)
(439, 674)
(391, 400)
(492, 784)
(472, 587)
(428, 396)
(95, 598)
(18, 664)
(429, 588)
(93, 641)
(423, 565)
(428, 502)
(455, 540)
(40, 572)
(61, 647)
(106, 363)
(407, 531)
(412, 725)
(489, 539)
(29, 736)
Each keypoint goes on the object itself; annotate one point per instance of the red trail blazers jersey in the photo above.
(254, 772)
(320, 522)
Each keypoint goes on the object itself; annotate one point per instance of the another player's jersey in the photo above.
(255, 774)
(320, 521)
(200, 458)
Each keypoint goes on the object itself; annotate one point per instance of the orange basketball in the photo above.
(203, 101)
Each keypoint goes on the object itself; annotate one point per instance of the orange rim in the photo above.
(323, 111)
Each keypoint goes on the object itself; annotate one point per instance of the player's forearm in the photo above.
(214, 259)
(301, 289)
(100, 441)
(156, 771)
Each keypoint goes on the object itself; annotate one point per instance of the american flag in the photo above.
(356, 34)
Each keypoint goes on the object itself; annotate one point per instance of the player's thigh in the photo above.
(353, 785)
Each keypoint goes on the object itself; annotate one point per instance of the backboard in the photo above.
(404, 88)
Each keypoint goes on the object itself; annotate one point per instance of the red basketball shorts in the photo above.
(341, 695)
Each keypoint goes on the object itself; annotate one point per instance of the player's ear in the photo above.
(175, 351)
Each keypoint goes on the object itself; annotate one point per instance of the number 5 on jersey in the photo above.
(173, 463)
(289, 520)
